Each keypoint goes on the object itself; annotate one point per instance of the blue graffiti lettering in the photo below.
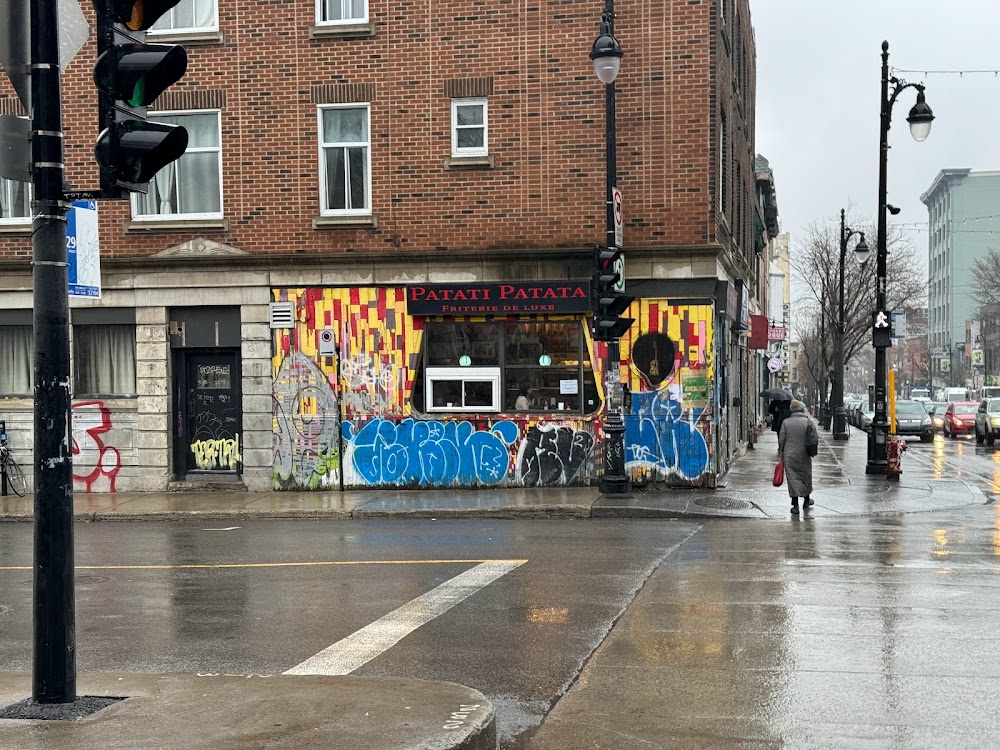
(429, 453)
(659, 439)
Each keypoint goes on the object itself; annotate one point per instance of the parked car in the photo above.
(859, 410)
(960, 418)
(851, 405)
(865, 416)
(988, 421)
(936, 409)
(913, 420)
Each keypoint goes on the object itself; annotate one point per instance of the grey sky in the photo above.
(818, 75)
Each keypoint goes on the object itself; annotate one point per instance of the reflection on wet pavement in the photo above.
(845, 633)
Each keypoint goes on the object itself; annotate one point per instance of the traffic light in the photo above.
(129, 75)
(607, 303)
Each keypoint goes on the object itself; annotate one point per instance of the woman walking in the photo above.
(798, 442)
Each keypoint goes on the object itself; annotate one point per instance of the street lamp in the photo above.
(607, 57)
(861, 251)
(920, 119)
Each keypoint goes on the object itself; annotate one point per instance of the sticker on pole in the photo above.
(83, 250)
(616, 202)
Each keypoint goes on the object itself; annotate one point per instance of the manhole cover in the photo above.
(723, 503)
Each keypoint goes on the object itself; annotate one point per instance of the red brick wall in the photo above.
(546, 118)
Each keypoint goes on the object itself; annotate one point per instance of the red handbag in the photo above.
(779, 474)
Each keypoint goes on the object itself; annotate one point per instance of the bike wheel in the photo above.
(15, 479)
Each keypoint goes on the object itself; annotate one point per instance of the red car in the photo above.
(960, 418)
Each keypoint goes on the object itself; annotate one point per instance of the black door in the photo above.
(213, 413)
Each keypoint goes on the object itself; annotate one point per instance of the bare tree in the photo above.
(986, 279)
(816, 261)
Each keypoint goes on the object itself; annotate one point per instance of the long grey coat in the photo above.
(797, 432)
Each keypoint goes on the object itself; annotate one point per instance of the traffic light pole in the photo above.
(54, 608)
(614, 480)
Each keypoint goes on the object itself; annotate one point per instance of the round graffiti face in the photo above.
(653, 355)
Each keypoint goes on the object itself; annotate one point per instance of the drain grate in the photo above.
(723, 502)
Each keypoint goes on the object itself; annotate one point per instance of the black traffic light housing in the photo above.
(129, 75)
(607, 303)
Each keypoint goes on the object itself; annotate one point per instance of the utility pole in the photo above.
(54, 606)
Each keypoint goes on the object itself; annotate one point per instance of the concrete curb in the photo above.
(259, 712)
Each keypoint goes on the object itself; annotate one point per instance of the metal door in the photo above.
(213, 413)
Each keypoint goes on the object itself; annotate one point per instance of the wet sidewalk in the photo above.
(842, 488)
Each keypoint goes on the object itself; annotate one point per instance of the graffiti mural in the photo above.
(306, 427)
(669, 429)
(552, 454)
(95, 464)
(429, 453)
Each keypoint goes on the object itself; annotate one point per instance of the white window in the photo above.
(474, 389)
(15, 201)
(189, 15)
(341, 11)
(191, 187)
(469, 127)
(345, 159)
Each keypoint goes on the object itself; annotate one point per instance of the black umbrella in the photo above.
(776, 394)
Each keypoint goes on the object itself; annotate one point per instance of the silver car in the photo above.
(912, 420)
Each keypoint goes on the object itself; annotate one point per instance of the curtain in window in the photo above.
(342, 10)
(188, 14)
(105, 359)
(16, 360)
(14, 199)
(189, 185)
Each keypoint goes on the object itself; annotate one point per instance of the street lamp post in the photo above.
(840, 431)
(607, 55)
(920, 119)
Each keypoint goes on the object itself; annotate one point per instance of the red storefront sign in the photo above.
(777, 333)
(503, 299)
(758, 331)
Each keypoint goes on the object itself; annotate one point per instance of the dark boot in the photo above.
(795, 505)
(807, 502)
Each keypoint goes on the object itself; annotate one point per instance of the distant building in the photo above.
(962, 213)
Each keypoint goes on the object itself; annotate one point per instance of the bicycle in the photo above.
(12, 472)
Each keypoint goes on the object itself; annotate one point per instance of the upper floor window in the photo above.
(469, 127)
(191, 187)
(189, 15)
(341, 11)
(345, 159)
(15, 201)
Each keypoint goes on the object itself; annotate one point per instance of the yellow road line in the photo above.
(274, 565)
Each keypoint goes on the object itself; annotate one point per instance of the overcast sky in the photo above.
(818, 77)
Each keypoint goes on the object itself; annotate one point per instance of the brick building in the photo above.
(381, 235)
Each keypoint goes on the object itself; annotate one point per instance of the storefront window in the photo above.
(518, 366)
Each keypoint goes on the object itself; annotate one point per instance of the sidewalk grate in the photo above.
(723, 503)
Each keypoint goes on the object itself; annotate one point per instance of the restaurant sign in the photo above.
(516, 298)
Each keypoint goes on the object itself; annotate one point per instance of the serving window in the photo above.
(515, 366)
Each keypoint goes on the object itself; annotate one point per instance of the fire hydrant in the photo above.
(894, 457)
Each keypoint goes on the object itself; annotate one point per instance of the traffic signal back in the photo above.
(130, 75)
(607, 302)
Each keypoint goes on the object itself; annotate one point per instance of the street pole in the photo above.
(879, 433)
(613, 479)
(920, 119)
(840, 431)
(54, 648)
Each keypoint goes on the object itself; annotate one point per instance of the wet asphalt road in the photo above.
(521, 640)
(799, 632)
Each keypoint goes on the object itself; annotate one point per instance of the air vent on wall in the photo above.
(281, 314)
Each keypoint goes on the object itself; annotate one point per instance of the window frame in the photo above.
(78, 391)
(490, 375)
(320, 4)
(182, 30)
(484, 150)
(15, 220)
(182, 217)
(31, 352)
(324, 209)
